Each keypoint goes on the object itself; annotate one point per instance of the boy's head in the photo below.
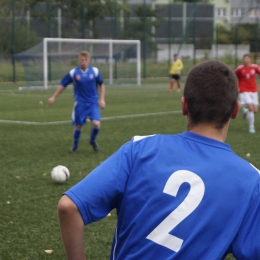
(84, 58)
(211, 92)
(247, 59)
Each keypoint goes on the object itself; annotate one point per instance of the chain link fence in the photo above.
(187, 29)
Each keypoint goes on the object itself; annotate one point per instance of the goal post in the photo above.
(118, 60)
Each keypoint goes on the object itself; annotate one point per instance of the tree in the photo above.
(141, 28)
(25, 38)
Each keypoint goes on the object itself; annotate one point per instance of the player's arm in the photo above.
(102, 102)
(56, 94)
(237, 71)
(72, 229)
(63, 84)
(180, 67)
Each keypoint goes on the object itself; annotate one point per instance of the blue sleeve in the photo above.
(246, 244)
(101, 191)
(66, 80)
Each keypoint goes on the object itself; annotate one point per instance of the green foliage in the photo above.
(240, 34)
(142, 27)
(23, 37)
(153, 69)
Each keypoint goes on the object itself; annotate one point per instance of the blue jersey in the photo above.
(85, 83)
(178, 197)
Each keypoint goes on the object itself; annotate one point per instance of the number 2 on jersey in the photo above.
(160, 234)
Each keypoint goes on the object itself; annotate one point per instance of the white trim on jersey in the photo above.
(114, 249)
(255, 168)
(72, 76)
(96, 71)
(73, 112)
(72, 72)
(140, 137)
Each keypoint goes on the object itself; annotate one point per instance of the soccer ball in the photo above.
(60, 173)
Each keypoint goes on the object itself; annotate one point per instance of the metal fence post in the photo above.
(144, 38)
(13, 40)
(115, 36)
(194, 33)
(216, 40)
(256, 43)
(169, 31)
(49, 35)
(236, 43)
(83, 19)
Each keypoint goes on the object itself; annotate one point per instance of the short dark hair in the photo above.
(211, 92)
(247, 55)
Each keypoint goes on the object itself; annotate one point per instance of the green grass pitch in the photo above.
(35, 137)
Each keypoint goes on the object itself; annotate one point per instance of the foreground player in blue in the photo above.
(87, 99)
(185, 196)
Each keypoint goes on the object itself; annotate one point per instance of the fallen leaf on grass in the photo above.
(49, 251)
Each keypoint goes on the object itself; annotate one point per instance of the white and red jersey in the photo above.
(247, 77)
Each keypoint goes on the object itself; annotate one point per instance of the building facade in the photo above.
(226, 12)
(245, 11)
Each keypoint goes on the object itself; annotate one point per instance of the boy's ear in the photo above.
(184, 106)
(235, 113)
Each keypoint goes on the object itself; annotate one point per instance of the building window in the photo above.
(236, 12)
(221, 12)
(254, 12)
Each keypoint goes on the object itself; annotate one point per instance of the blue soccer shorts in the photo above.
(82, 111)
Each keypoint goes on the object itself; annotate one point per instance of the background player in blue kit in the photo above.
(86, 80)
(184, 196)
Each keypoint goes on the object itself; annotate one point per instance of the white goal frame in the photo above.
(111, 62)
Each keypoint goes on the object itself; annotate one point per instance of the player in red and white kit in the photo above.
(248, 89)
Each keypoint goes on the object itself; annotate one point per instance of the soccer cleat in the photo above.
(95, 146)
(170, 90)
(73, 149)
(251, 130)
(178, 90)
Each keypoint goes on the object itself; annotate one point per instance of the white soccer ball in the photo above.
(60, 173)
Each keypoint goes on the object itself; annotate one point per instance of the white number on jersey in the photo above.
(160, 234)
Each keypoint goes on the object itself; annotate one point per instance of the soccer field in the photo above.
(35, 137)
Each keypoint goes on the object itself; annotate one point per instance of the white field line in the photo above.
(102, 119)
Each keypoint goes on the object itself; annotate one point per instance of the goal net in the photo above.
(119, 61)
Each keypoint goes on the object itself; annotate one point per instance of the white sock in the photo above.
(250, 118)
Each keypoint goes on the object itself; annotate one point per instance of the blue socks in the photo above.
(76, 137)
(77, 133)
(94, 133)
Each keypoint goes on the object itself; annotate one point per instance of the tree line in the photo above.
(81, 16)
